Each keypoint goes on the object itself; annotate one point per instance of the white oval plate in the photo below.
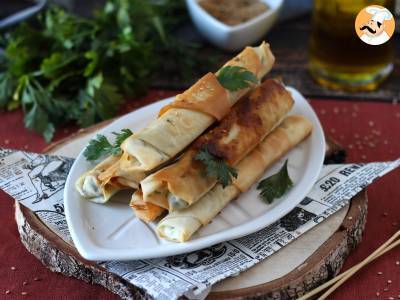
(112, 232)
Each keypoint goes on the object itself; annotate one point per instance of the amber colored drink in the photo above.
(338, 58)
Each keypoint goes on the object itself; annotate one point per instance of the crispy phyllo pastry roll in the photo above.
(144, 210)
(107, 178)
(179, 226)
(193, 111)
(182, 183)
(182, 121)
(92, 188)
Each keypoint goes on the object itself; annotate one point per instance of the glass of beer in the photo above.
(339, 59)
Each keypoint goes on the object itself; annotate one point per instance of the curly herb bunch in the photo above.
(63, 67)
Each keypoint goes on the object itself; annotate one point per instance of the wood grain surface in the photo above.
(289, 43)
(60, 256)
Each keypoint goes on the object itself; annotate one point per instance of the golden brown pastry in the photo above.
(179, 226)
(182, 183)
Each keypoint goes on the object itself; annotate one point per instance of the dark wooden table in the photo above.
(289, 42)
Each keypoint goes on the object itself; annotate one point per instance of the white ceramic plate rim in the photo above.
(89, 250)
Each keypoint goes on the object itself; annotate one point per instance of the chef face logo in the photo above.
(374, 25)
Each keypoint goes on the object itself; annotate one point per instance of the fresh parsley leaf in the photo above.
(216, 167)
(276, 185)
(120, 137)
(36, 119)
(235, 78)
(93, 58)
(7, 86)
(97, 148)
(99, 101)
(100, 146)
(33, 99)
(53, 67)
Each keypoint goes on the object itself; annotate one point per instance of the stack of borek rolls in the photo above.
(183, 183)
(177, 125)
(180, 225)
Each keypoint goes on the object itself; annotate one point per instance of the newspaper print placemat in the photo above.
(37, 182)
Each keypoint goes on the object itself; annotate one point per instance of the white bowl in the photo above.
(233, 38)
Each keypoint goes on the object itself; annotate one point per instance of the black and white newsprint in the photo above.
(37, 181)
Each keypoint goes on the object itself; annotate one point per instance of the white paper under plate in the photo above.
(112, 232)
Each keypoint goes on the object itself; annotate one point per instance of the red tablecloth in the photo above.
(369, 130)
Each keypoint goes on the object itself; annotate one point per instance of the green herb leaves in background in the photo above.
(276, 185)
(234, 78)
(100, 146)
(62, 67)
(216, 167)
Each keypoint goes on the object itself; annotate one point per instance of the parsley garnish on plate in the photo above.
(100, 146)
(216, 167)
(276, 185)
(234, 78)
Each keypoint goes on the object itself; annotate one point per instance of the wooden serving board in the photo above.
(299, 267)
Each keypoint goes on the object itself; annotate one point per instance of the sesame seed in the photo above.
(333, 130)
(376, 132)
(26, 147)
(336, 110)
(13, 268)
(351, 146)
(25, 283)
(377, 294)
(6, 142)
(385, 289)
(390, 298)
(363, 156)
(385, 214)
(36, 279)
(397, 263)
(371, 124)
(398, 296)
(24, 293)
(323, 111)
(389, 281)
(8, 292)
(385, 142)
(379, 273)
(350, 218)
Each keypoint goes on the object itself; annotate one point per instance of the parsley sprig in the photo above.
(235, 78)
(216, 167)
(61, 67)
(276, 185)
(100, 146)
